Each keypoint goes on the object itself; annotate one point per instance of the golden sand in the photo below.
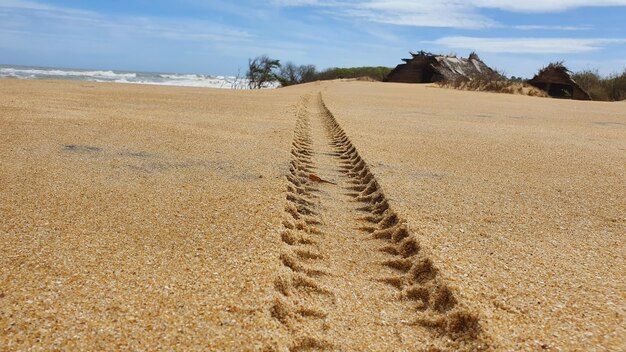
(143, 218)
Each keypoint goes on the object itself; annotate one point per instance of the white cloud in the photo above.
(298, 2)
(36, 6)
(40, 18)
(24, 4)
(559, 28)
(527, 45)
(544, 6)
(443, 13)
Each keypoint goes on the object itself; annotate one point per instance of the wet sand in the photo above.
(143, 217)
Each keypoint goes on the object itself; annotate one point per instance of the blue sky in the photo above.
(218, 36)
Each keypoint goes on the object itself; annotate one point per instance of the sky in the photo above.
(219, 36)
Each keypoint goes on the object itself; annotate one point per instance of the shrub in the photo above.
(377, 73)
(495, 81)
(291, 74)
(262, 71)
(611, 88)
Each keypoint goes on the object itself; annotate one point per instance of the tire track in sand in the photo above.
(302, 302)
(353, 276)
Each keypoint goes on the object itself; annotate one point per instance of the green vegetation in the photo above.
(610, 88)
(377, 73)
(291, 74)
(263, 71)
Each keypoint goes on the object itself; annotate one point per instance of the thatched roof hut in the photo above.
(425, 67)
(556, 81)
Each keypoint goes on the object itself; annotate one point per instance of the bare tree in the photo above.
(307, 73)
(291, 74)
(261, 71)
(236, 83)
(288, 74)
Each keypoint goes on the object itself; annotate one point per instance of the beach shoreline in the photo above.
(128, 77)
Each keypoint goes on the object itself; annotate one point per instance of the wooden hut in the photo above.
(425, 67)
(556, 81)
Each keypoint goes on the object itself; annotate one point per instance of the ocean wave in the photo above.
(32, 73)
(163, 79)
(182, 77)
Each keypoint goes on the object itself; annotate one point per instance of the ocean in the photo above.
(166, 79)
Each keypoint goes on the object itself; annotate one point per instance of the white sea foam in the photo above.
(166, 79)
(185, 77)
(33, 73)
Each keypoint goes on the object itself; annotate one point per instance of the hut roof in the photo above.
(454, 68)
(449, 67)
(557, 73)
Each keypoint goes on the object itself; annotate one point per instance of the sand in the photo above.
(144, 217)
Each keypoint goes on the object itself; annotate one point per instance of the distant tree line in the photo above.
(376, 73)
(264, 71)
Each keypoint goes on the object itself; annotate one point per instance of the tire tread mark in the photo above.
(298, 294)
(418, 280)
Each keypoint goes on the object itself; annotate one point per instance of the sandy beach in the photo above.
(338, 215)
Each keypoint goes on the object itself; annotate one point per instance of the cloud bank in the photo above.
(527, 45)
(443, 13)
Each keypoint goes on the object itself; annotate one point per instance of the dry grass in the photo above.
(493, 82)
(496, 86)
(611, 88)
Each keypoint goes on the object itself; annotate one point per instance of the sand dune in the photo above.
(328, 216)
